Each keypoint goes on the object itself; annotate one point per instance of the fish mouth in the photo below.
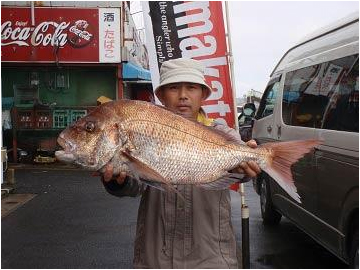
(65, 155)
(69, 155)
(68, 146)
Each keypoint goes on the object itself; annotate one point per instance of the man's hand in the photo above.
(108, 175)
(250, 168)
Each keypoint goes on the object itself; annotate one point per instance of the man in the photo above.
(196, 231)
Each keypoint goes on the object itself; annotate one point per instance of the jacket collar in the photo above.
(201, 118)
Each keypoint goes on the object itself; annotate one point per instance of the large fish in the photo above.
(151, 143)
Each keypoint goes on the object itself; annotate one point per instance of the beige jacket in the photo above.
(174, 233)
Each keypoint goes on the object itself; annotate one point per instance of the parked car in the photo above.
(313, 93)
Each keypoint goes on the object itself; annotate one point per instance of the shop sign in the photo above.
(109, 35)
(60, 35)
(192, 30)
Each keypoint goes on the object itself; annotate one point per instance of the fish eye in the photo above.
(89, 126)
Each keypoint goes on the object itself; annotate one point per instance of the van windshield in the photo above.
(268, 100)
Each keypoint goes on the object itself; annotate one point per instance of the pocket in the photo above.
(227, 243)
(169, 212)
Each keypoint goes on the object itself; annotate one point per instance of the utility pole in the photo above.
(244, 208)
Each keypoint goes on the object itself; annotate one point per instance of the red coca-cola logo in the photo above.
(80, 34)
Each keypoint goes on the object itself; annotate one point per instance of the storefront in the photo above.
(56, 63)
(137, 83)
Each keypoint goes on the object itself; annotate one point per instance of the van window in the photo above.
(323, 96)
(269, 98)
(342, 110)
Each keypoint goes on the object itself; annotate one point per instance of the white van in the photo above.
(313, 92)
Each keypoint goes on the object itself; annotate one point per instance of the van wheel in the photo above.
(269, 215)
(354, 251)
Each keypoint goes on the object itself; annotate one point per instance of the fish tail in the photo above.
(282, 156)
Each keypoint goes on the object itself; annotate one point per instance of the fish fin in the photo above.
(283, 155)
(171, 188)
(142, 170)
(166, 108)
(177, 113)
(156, 185)
(229, 139)
(162, 187)
(144, 173)
(224, 182)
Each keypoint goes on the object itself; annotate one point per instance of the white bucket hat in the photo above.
(182, 70)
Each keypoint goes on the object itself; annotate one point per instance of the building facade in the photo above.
(58, 59)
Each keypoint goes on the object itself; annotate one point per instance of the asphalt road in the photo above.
(284, 246)
(73, 223)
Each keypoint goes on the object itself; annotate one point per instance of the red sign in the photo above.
(221, 102)
(59, 34)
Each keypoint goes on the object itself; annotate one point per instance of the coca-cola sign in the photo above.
(59, 34)
(46, 33)
(79, 34)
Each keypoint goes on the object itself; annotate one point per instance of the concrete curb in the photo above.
(54, 166)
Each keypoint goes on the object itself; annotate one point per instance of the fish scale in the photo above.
(174, 146)
(209, 161)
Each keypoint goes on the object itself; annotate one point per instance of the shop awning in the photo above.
(131, 71)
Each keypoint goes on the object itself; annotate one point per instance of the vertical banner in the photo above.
(192, 30)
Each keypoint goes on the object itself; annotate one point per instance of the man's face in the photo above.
(183, 98)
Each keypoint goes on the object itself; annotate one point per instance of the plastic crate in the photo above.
(43, 119)
(25, 118)
(76, 115)
(61, 118)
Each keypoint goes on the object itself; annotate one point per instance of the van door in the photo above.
(295, 121)
(337, 159)
(263, 130)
